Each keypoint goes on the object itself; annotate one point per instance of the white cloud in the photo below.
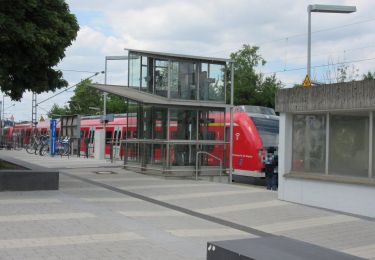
(215, 28)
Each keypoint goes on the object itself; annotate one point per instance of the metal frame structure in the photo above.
(162, 101)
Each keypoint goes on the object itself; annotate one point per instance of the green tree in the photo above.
(368, 76)
(33, 39)
(116, 104)
(250, 87)
(85, 97)
(57, 111)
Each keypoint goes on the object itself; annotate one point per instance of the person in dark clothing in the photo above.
(270, 163)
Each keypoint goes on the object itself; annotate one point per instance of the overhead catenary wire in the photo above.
(78, 71)
(321, 65)
(96, 73)
(327, 53)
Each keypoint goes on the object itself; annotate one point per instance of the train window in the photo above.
(268, 130)
(227, 134)
(115, 136)
(92, 136)
(119, 137)
(108, 136)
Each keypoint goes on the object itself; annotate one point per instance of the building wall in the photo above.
(346, 197)
(356, 199)
(353, 193)
(356, 95)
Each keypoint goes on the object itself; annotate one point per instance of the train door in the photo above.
(117, 136)
(91, 136)
(108, 140)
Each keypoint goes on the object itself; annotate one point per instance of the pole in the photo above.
(105, 103)
(105, 93)
(309, 42)
(231, 125)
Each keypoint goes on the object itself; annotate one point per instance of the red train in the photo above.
(255, 130)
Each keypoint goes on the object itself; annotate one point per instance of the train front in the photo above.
(259, 150)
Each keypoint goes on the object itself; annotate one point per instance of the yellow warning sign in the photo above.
(307, 81)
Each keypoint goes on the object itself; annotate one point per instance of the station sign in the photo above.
(53, 124)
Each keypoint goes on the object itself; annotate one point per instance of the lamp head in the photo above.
(340, 9)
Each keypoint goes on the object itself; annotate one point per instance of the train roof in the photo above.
(255, 110)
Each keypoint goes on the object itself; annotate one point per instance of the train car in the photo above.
(115, 132)
(255, 131)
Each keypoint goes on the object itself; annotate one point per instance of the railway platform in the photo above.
(102, 211)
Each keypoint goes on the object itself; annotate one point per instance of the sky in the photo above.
(213, 28)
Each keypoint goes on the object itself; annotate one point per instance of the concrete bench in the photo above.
(27, 177)
(271, 248)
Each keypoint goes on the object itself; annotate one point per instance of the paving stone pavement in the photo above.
(87, 221)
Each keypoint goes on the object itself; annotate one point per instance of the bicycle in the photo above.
(63, 146)
(36, 143)
(33, 145)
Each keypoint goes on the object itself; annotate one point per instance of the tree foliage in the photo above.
(368, 76)
(89, 101)
(33, 39)
(57, 111)
(250, 87)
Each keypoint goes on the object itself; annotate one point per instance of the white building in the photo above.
(326, 149)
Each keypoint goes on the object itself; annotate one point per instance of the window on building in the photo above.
(135, 71)
(309, 143)
(211, 82)
(161, 77)
(349, 145)
(183, 80)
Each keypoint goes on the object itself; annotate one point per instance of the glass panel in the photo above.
(132, 129)
(160, 123)
(133, 152)
(158, 154)
(161, 77)
(211, 82)
(211, 125)
(183, 80)
(182, 154)
(134, 71)
(216, 150)
(147, 74)
(309, 143)
(216, 81)
(203, 82)
(183, 124)
(348, 150)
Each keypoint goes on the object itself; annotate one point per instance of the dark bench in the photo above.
(26, 176)
(271, 248)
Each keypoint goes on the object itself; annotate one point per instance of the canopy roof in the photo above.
(148, 98)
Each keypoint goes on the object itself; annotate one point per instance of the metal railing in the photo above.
(209, 154)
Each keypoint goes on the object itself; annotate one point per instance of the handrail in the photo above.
(197, 162)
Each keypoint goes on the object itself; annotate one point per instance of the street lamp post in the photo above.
(337, 9)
